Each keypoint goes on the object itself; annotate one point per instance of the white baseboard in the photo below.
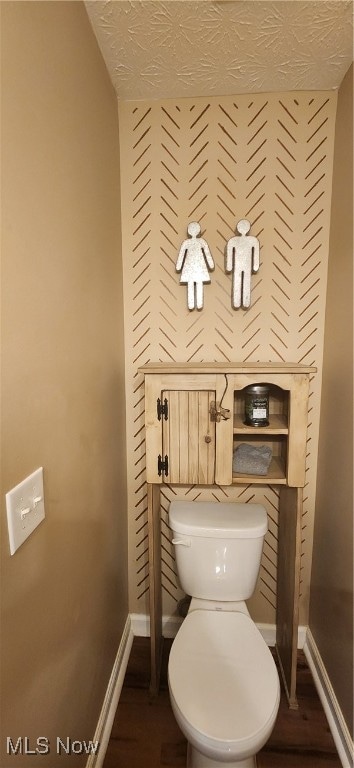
(171, 625)
(336, 722)
(110, 703)
(269, 631)
(141, 625)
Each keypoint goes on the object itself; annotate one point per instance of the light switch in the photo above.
(25, 509)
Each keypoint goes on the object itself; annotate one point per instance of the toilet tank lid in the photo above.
(218, 519)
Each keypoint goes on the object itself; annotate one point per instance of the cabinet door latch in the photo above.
(162, 466)
(217, 412)
(162, 409)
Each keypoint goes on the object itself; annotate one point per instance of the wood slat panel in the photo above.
(206, 432)
(183, 437)
(172, 435)
(193, 427)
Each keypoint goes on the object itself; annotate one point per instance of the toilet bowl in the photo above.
(224, 688)
(223, 682)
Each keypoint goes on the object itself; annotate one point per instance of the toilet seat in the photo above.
(223, 682)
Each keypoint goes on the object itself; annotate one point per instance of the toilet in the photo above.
(223, 682)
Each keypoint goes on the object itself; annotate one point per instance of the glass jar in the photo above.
(257, 405)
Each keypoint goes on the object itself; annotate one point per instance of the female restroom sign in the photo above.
(193, 261)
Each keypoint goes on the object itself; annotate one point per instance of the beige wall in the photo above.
(266, 157)
(331, 608)
(64, 592)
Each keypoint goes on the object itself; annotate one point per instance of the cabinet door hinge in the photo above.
(162, 466)
(162, 409)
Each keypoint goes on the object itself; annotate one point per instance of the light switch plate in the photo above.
(25, 508)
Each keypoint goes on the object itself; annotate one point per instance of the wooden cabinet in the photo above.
(195, 421)
(194, 417)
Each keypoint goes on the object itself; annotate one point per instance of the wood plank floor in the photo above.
(146, 735)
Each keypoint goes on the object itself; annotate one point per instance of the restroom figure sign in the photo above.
(242, 258)
(194, 260)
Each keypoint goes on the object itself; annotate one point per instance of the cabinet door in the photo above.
(188, 437)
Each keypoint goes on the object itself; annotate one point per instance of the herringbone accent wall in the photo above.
(267, 158)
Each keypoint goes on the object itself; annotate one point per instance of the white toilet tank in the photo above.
(218, 547)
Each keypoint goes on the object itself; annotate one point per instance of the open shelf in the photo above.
(277, 441)
(276, 474)
(278, 412)
(278, 425)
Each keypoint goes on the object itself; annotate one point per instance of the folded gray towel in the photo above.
(251, 460)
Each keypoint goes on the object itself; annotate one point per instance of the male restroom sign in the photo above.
(241, 260)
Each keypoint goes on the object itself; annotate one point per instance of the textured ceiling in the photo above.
(174, 48)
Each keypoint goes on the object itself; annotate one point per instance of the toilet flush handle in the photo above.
(182, 542)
